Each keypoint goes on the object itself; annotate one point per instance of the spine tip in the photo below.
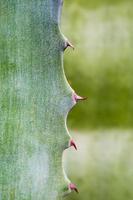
(72, 144)
(77, 98)
(68, 44)
(73, 187)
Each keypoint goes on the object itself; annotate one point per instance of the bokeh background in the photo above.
(101, 68)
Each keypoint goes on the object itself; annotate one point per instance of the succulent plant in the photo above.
(35, 99)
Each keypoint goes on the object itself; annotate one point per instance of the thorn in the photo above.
(77, 98)
(68, 44)
(73, 187)
(72, 144)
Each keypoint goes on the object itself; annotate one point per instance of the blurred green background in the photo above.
(101, 68)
